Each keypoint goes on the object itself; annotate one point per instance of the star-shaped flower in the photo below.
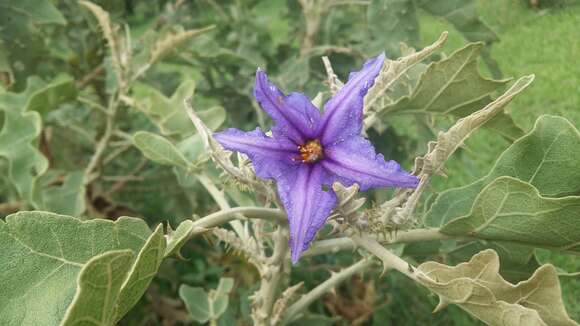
(309, 150)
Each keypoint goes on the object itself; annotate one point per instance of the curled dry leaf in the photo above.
(477, 288)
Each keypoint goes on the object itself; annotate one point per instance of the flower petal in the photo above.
(294, 115)
(306, 203)
(355, 161)
(343, 112)
(270, 156)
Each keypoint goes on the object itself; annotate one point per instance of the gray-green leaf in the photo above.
(548, 158)
(51, 264)
(512, 210)
(477, 288)
(168, 113)
(159, 149)
(203, 306)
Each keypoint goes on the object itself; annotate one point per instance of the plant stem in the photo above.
(410, 236)
(222, 202)
(91, 171)
(324, 288)
(227, 215)
(389, 260)
(272, 276)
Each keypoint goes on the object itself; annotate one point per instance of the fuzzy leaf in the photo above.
(196, 301)
(221, 296)
(99, 288)
(168, 113)
(390, 73)
(43, 255)
(67, 199)
(144, 269)
(22, 42)
(478, 288)
(450, 86)
(393, 21)
(21, 129)
(548, 158)
(203, 306)
(463, 15)
(513, 210)
(159, 150)
(176, 239)
(448, 142)
(517, 262)
(17, 145)
(37, 11)
(454, 86)
(51, 96)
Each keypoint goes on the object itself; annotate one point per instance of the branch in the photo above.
(227, 215)
(222, 202)
(389, 259)
(272, 275)
(324, 288)
(410, 236)
(333, 82)
(91, 171)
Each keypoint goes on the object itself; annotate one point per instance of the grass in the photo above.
(546, 43)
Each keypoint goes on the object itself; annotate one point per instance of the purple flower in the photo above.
(309, 150)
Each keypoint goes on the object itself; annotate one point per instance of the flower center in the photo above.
(311, 152)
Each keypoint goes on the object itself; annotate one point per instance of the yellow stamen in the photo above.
(311, 152)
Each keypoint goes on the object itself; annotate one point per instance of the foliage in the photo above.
(107, 109)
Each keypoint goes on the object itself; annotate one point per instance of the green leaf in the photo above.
(450, 86)
(99, 288)
(221, 296)
(21, 35)
(394, 76)
(159, 149)
(478, 288)
(43, 255)
(67, 199)
(393, 21)
(196, 301)
(142, 272)
(202, 306)
(20, 131)
(51, 96)
(454, 86)
(168, 113)
(17, 145)
(548, 158)
(37, 11)
(176, 239)
(462, 14)
(512, 210)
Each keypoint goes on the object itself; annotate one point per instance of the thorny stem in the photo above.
(389, 259)
(324, 288)
(272, 276)
(212, 146)
(333, 82)
(410, 236)
(402, 214)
